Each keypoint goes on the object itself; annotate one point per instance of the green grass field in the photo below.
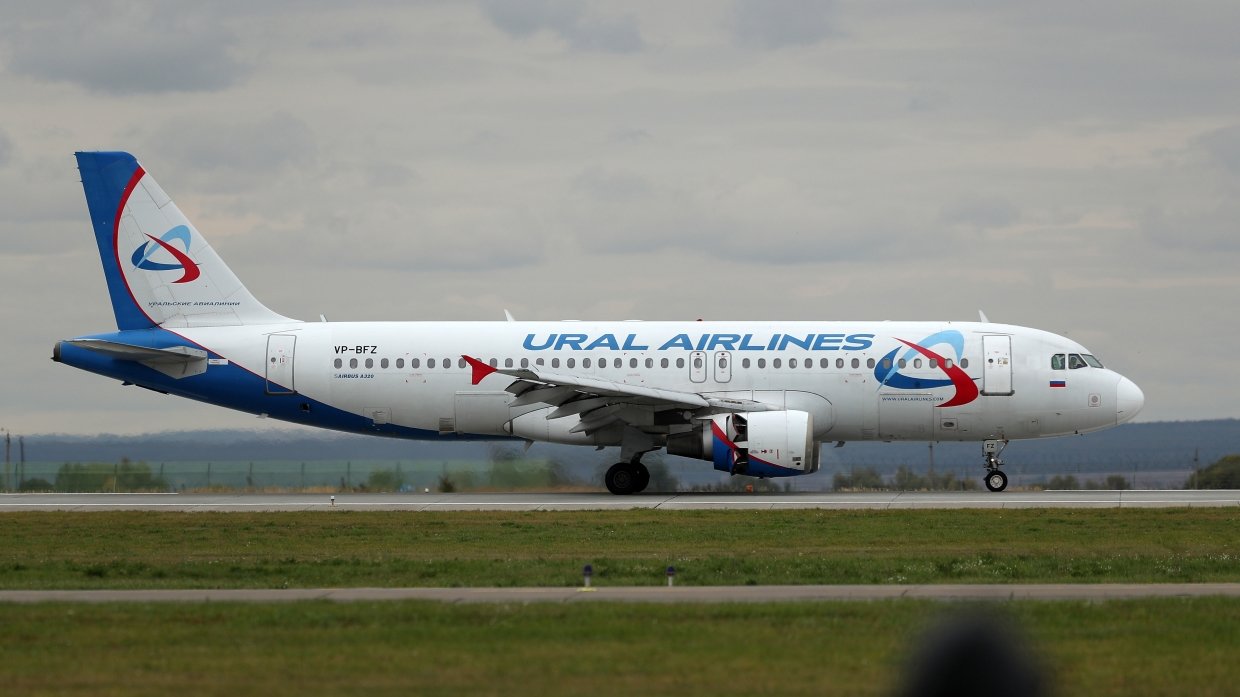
(1152, 647)
(344, 548)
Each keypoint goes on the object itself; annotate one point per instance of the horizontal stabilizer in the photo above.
(175, 362)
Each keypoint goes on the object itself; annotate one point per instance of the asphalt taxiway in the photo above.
(604, 501)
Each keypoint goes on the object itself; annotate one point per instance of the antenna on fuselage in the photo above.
(508, 316)
(981, 314)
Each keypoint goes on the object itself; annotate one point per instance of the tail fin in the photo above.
(160, 270)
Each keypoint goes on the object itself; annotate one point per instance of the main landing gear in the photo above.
(995, 479)
(627, 478)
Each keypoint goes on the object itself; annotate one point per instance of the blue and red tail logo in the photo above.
(142, 255)
(888, 374)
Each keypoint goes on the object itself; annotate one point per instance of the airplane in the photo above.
(754, 398)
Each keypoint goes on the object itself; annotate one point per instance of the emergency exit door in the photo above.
(997, 365)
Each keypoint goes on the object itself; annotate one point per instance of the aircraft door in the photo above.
(997, 365)
(723, 366)
(280, 363)
(697, 366)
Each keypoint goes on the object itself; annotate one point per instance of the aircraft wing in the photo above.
(600, 402)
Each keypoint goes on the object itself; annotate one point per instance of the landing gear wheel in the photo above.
(622, 479)
(643, 477)
(996, 480)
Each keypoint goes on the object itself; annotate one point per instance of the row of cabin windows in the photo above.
(1073, 361)
(823, 363)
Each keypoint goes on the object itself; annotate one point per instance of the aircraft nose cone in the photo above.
(1128, 400)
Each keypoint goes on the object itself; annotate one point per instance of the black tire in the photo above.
(643, 477)
(995, 480)
(621, 479)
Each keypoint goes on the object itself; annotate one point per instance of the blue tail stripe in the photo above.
(105, 176)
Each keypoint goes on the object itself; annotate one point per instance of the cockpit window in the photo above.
(1057, 362)
(1093, 362)
(1075, 361)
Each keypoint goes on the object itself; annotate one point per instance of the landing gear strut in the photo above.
(995, 479)
(627, 478)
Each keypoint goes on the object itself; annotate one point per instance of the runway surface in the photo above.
(604, 501)
(643, 594)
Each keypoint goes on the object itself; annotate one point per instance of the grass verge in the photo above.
(1144, 647)
(42, 550)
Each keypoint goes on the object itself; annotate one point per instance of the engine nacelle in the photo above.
(759, 444)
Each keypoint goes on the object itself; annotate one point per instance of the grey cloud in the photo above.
(204, 147)
(982, 212)
(583, 30)
(780, 23)
(1197, 228)
(6, 149)
(1223, 146)
(123, 49)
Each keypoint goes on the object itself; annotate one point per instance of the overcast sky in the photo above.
(1072, 166)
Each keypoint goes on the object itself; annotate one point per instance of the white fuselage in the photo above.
(412, 374)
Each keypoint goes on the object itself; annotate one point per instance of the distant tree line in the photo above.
(1223, 474)
(91, 477)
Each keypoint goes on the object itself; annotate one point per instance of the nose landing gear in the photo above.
(995, 479)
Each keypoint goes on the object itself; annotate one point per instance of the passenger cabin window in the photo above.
(649, 362)
(383, 363)
(352, 362)
(571, 363)
(1075, 361)
(792, 362)
(415, 362)
(680, 362)
(1057, 361)
(525, 362)
(869, 363)
(555, 363)
(761, 362)
(775, 363)
(856, 363)
(744, 362)
(339, 363)
(400, 363)
(824, 363)
(585, 363)
(507, 362)
(370, 362)
(632, 362)
(663, 363)
(839, 363)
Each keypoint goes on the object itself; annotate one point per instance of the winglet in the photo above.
(481, 370)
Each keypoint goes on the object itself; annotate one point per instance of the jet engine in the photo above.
(759, 444)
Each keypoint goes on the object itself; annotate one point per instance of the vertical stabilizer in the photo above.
(160, 270)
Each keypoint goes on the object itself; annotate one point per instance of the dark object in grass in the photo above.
(973, 655)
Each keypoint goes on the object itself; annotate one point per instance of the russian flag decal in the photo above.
(1059, 383)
